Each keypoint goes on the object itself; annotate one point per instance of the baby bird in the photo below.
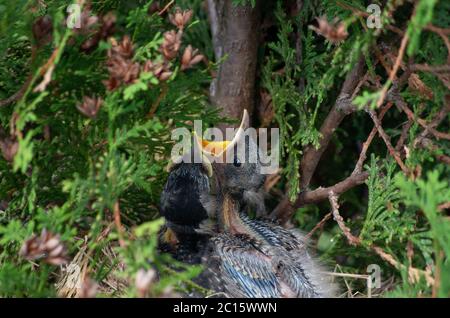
(242, 257)
(181, 207)
(242, 168)
(254, 258)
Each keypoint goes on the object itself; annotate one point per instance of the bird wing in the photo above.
(247, 271)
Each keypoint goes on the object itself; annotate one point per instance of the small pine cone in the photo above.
(123, 49)
(160, 70)
(106, 29)
(88, 21)
(108, 25)
(90, 106)
(171, 44)
(123, 70)
(111, 83)
(154, 7)
(334, 31)
(47, 247)
(180, 18)
(190, 58)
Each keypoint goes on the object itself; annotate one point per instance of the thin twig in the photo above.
(319, 225)
(394, 70)
(414, 273)
(366, 144)
(118, 224)
(411, 116)
(440, 116)
(403, 136)
(352, 240)
(155, 105)
(386, 140)
(435, 69)
(166, 7)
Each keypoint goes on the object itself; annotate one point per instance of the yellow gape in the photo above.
(215, 147)
(218, 148)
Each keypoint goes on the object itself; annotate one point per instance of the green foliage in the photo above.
(303, 89)
(71, 171)
(423, 16)
(425, 195)
(291, 110)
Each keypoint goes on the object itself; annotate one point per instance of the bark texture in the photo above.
(235, 31)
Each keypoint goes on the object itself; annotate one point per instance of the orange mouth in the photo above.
(214, 147)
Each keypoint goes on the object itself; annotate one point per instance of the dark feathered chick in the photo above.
(180, 202)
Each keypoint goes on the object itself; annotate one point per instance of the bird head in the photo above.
(235, 162)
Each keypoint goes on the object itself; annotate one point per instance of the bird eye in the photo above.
(236, 162)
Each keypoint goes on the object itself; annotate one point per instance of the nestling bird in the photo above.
(180, 203)
(255, 258)
(242, 257)
(243, 173)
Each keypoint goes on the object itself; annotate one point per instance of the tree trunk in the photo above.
(235, 31)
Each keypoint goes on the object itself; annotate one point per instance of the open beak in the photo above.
(214, 149)
(219, 148)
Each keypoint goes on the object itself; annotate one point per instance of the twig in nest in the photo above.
(440, 116)
(118, 223)
(426, 143)
(411, 116)
(319, 225)
(404, 135)
(435, 69)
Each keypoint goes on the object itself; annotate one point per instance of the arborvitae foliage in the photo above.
(404, 212)
(86, 117)
(74, 169)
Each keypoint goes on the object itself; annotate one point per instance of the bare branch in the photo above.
(341, 108)
(435, 69)
(387, 141)
(352, 240)
(394, 70)
(363, 153)
(320, 194)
